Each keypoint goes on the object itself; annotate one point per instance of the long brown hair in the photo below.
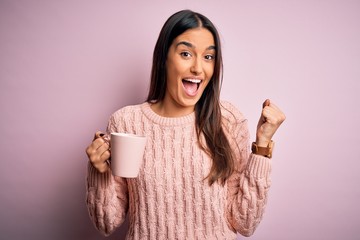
(207, 109)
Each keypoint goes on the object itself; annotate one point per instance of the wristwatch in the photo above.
(263, 151)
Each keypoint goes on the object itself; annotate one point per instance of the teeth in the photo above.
(193, 80)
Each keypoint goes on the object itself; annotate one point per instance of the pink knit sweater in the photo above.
(170, 198)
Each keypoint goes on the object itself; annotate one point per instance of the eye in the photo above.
(185, 54)
(209, 57)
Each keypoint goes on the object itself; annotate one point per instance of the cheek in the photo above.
(173, 70)
(209, 70)
(172, 78)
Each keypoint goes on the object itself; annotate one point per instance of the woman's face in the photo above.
(189, 68)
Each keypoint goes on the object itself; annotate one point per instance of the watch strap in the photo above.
(263, 151)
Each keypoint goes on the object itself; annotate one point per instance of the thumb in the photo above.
(266, 103)
(98, 134)
(262, 117)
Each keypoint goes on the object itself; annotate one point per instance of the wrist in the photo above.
(262, 142)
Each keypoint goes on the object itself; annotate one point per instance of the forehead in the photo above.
(198, 37)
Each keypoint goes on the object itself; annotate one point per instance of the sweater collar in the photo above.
(166, 121)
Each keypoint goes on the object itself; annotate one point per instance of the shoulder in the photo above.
(127, 111)
(230, 113)
(125, 118)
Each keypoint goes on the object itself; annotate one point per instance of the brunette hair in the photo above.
(207, 109)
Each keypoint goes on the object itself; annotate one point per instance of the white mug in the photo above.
(127, 153)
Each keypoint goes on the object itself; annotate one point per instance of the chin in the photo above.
(190, 102)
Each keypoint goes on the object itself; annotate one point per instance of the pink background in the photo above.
(65, 66)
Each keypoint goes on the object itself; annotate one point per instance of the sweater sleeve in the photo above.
(248, 186)
(107, 196)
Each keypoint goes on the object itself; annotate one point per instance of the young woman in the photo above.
(198, 179)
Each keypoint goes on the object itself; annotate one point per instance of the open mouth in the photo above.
(191, 86)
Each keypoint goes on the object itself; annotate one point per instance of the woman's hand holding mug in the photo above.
(98, 152)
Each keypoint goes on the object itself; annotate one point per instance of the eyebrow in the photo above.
(212, 47)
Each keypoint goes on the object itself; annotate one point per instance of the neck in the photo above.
(164, 109)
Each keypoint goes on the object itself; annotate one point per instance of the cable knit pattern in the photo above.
(170, 198)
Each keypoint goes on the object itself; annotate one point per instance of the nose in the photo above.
(196, 67)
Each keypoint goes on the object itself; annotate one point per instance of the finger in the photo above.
(275, 109)
(272, 105)
(100, 155)
(105, 156)
(104, 147)
(97, 143)
(103, 161)
(101, 166)
(273, 116)
(269, 118)
(96, 148)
